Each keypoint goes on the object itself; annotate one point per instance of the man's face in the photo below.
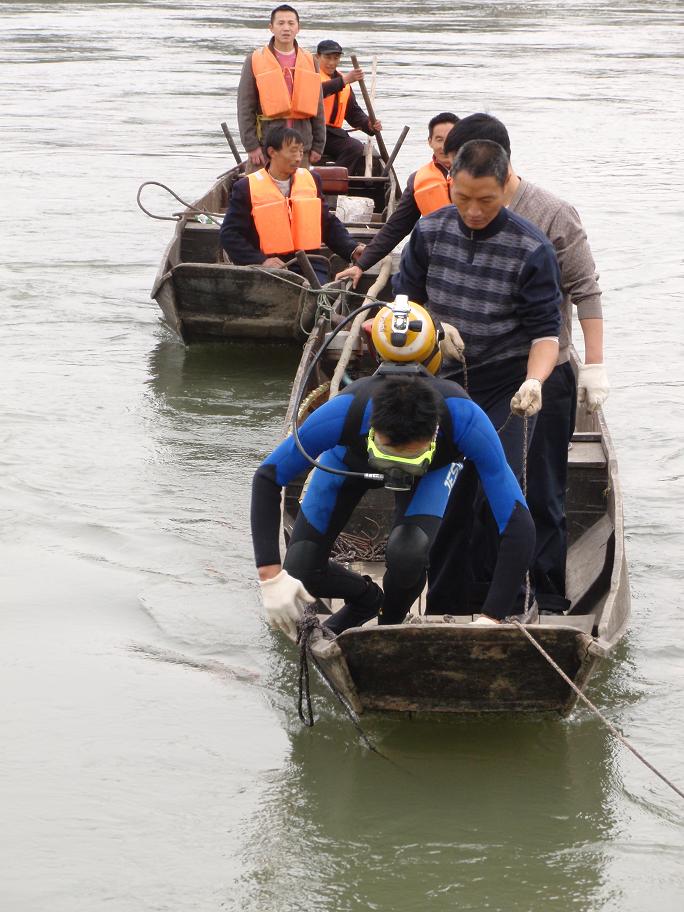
(284, 27)
(329, 63)
(287, 159)
(437, 140)
(478, 199)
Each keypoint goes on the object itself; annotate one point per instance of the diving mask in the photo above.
(399, 471)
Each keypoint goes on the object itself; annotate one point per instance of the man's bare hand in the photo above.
(376, 127)
(314, 157)
(352, 76)
(351, 272)
(274, 263)
(357, 251)
(257, 157)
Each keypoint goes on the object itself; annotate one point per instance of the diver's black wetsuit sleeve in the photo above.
(320, 432)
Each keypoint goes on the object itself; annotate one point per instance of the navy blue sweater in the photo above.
(239, 236)
(500, 285)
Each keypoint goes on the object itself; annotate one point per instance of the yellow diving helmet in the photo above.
(405, 332)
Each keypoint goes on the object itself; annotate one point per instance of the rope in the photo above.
(613, 730)
(171, 218)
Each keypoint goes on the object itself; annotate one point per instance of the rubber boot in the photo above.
(356, 613)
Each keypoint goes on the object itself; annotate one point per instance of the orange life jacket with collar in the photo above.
(430, 189)
(285, 224)
(329, 104)
(274, 97)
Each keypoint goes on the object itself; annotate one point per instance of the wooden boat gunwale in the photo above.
(211, 299)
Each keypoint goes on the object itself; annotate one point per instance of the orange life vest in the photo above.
(329, 104)
(274, 97)
(430, 189)
(285, 224)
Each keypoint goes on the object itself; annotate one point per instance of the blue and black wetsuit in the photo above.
(337, 433)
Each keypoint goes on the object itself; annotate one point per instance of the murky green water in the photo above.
(151, 755)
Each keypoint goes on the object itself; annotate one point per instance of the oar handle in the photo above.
(307, 268)
(371, 112)
(395, 151)
(231, 142)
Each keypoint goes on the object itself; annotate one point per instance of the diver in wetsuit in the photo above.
(415, 429)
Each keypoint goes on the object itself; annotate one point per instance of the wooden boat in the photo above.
(204, 297)
(438, 663)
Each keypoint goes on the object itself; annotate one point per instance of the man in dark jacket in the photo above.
(402, 221)
(241, 236)
(341, 106)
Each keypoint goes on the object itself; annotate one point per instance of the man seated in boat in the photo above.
(340, 105)
(415, 430)
(280, 209)
(426, 191)
(280, 86)
(547, 460)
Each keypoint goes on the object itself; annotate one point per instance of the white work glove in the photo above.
(452, 345)
(592, 385)
(528, 400)
(284, 599)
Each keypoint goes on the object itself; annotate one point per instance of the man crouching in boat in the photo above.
(280, 209)
(415, 429)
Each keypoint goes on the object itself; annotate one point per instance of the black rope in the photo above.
(305, 628)
(171, 218)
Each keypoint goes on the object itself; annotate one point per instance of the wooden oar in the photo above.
(231, 142)
(307, 269)
(369, 108)
(395, 151)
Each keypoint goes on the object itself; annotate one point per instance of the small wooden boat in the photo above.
(439, 663)
(204, 297)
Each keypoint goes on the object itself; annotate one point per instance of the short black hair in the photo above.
(478, 126)
(405, 409)
(277, 137)
(482, 158)
(444, 117)
(284, 8)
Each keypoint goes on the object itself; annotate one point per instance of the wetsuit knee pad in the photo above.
(303, 561)
(406, 554)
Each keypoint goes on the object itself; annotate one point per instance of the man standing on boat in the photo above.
(340, 105)
(280, 209)
(547, 461)
(280, 85)
(494, 275)
(413, 429)
(426, 191)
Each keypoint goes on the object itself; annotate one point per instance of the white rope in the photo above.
(355, 330)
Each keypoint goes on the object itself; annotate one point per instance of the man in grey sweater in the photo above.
(548, 455)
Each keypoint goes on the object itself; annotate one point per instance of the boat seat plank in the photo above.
(587, 454)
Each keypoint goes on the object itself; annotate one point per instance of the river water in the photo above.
(151, 754)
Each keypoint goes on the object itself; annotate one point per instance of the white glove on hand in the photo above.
(452, 345)
(284, 599)
(592, 385)
(528, 400)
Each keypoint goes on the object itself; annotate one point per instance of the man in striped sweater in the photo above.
(495, 276)
(548, 455)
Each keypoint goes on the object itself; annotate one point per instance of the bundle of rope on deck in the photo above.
(358, 546)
